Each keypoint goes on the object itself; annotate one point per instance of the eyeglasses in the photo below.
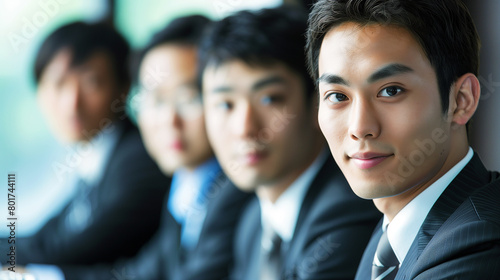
(185, 100)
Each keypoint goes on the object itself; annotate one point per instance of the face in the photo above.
(77, 100)
(170, 116)
(380, 110)
(263, 131)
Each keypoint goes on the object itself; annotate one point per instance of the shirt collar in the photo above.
(283, 214)
(404, 227)
(95, 154)
(189, 187)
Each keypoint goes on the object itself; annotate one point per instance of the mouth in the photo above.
(368, 160)
(176, 145)
(254, 157)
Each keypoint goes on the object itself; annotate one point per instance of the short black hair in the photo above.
(444, 29)
(259, 38)
(185, 31)
(84, 40)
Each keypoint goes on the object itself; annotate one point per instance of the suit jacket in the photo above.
(332, 229)
(460, 237)
(163, 257)
(125, 212)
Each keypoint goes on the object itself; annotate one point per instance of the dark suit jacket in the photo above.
(460, 237)
(126, 207)
(332, 229)
(163, 258)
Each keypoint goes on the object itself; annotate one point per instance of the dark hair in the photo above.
(185, 31)
(84, 40)
(262, 38)
(443, 28)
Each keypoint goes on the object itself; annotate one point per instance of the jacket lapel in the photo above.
(473, 176)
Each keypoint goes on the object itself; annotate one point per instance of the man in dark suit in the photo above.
(397, 83)
(260, 112)
(82, 81)
(202, 206)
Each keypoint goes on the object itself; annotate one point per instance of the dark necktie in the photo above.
(270, 256)
(385, 263)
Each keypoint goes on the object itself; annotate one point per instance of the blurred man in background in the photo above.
(261, 119)
(202, 206)
(82, 80)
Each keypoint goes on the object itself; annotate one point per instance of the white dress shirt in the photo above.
(404, 227)
(94, 156)
(283, 214)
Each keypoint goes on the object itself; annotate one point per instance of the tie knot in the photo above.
(384, 253)
(271, 241)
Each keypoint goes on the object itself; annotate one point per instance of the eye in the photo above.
(390, 91)
(336, 97)
(224, 105)
(270, 99)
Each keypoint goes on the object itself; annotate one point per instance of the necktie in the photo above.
(270, 256)
(385, 263)
(79, 212)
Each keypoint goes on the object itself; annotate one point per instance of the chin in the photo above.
(364, 190)
(244, 186)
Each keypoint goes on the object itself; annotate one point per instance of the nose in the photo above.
(72, 96)
(363, 121)
(169, 116)
(245, 123)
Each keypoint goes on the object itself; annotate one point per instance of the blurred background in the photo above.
(28, 149)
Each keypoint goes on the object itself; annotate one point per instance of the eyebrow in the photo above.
(268, 81)
(265, 82)
(382, 73)
(388, 71)
(332, 79)
(222, 89)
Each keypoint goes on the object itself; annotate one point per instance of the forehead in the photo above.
(356, 47)
(63, 63)
(239, 75)
(168, 60)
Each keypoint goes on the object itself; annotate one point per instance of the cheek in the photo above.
(413, 125)
(101, 105)
(146, 125)
(195, 130)
(331, 125)
(47, 103)
(215, 129)
(147, 128)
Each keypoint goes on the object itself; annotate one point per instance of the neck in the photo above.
(273, 191)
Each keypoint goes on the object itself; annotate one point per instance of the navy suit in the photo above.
(164, 258)
(332, 230)
(460, 237)
(125, 211)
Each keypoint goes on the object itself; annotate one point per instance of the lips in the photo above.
(254, 157)
(368, 160)
(176, 145)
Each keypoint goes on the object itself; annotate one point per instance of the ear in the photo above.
(464, 99)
